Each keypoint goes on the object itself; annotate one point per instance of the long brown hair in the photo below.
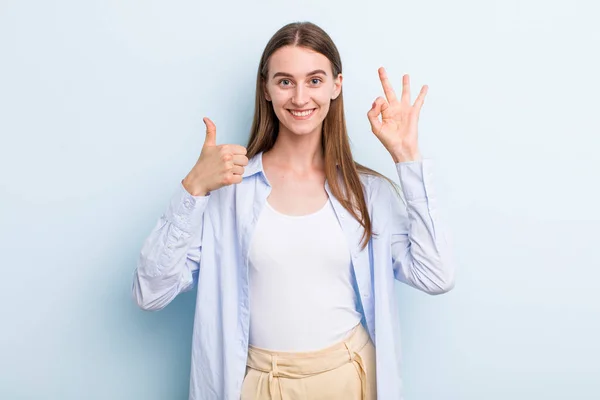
(335, 142)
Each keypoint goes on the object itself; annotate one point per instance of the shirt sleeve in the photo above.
(170, 257)
(420, 251)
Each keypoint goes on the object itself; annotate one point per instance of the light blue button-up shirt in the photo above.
(203, 242)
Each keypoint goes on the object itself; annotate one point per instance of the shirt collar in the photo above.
(254, 166)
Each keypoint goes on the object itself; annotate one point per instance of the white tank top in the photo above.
(301, 292)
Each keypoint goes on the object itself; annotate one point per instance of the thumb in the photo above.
(211, 132)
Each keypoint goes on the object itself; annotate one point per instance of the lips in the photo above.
(304, 114)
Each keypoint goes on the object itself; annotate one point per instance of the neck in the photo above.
(300, 153)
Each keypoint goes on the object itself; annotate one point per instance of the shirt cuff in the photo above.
(185, 211)
(416, 179)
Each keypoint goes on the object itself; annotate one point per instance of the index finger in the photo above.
(387, 86)
(236, 149)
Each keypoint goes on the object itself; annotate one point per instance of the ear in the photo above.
(337, 88)
(265, 91)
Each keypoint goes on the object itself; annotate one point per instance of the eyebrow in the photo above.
(285, 74)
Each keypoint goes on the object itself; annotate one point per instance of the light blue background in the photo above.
(101, 106)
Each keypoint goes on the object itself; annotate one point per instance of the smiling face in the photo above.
(300, 85)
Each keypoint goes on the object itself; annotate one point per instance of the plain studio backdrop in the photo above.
(101, 106)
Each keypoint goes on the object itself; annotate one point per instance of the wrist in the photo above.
(406, 156)
(193, 188)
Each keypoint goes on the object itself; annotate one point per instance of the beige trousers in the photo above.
(343, 371)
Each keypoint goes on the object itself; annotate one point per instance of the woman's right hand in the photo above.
(217, 166)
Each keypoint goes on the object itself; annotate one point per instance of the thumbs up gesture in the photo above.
(217, 166)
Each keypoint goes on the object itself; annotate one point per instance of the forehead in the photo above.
(297, 61)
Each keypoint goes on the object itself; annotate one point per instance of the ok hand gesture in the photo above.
(397, 129)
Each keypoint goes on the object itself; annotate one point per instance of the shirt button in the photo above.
(366, 295)
(187, 204)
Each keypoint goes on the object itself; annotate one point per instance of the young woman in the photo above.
(293, 246)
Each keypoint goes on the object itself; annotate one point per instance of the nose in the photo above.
(301, 96)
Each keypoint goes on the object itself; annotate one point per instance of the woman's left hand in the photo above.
(397, 129)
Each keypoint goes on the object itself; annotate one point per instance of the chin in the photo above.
(300, 131)
(306, 127)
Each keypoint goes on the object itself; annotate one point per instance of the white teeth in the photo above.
(301, 114)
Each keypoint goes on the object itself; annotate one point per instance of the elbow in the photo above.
(444, 282)
(443, 279)
(146, 305)
(442, 287)
(144, 298)
(433, 279)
